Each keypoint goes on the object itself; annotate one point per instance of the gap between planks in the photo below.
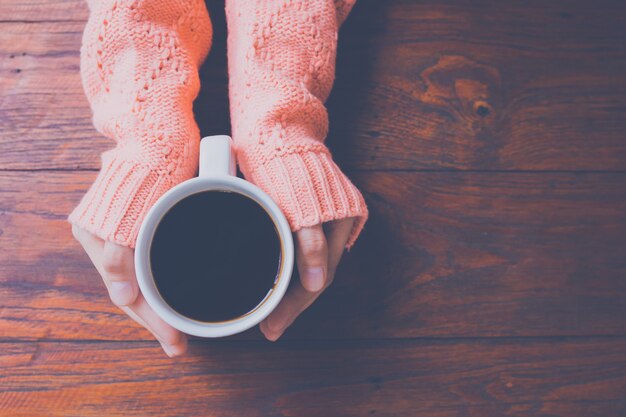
(382, 340)
(349, 170)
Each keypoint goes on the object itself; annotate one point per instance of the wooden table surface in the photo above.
(489, 140)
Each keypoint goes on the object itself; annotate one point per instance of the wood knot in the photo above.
(482, 108)
(463, 85)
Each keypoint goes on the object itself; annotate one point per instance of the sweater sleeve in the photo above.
(139, 68)
(281, 59)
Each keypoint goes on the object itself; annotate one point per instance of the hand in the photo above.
(318, 252)
(116, 265)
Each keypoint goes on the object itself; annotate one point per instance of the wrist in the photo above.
(309, 188)
(124, 190)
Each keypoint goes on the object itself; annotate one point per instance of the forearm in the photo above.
(281, 68)
(139, 67)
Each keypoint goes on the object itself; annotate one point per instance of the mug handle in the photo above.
(217, 158)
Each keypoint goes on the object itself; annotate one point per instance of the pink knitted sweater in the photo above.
(139, 67)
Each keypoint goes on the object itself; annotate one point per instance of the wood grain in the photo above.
(444, 254)
(420, 85)
(488, 140)
(42, 100)
(482, 86)
(400, 378)
(29, 11)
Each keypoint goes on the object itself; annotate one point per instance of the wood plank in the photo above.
(421, 85)
(437, 378)
(42, 100)
(56, 115)
(482, 85)
(444, 254)
(43, 11)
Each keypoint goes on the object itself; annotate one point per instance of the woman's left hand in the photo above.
(318, 252)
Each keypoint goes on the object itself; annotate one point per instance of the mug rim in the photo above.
(143, 268)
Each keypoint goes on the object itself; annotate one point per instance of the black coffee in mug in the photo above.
(215, 256)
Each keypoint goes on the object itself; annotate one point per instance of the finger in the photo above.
(92, 245)
(295, 301)
(173, 342)
(312, 257)
(337, 235)
(119, 273)
(298, 298)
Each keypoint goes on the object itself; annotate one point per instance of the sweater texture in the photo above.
(139, 69)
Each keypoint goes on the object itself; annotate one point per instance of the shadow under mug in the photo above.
(217, 173)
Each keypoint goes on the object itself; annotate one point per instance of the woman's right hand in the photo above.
(116, 265)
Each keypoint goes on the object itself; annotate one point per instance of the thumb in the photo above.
(119, 273)
(312, 257)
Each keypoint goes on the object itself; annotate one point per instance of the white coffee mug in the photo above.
(217, 173)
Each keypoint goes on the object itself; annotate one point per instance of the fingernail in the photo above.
(274, 336)
(314, 278)
(121, 292)
(167, 350)
(272, 325)
(177, 349)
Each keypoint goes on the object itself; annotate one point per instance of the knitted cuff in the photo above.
(123, 192)
(310, 189)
